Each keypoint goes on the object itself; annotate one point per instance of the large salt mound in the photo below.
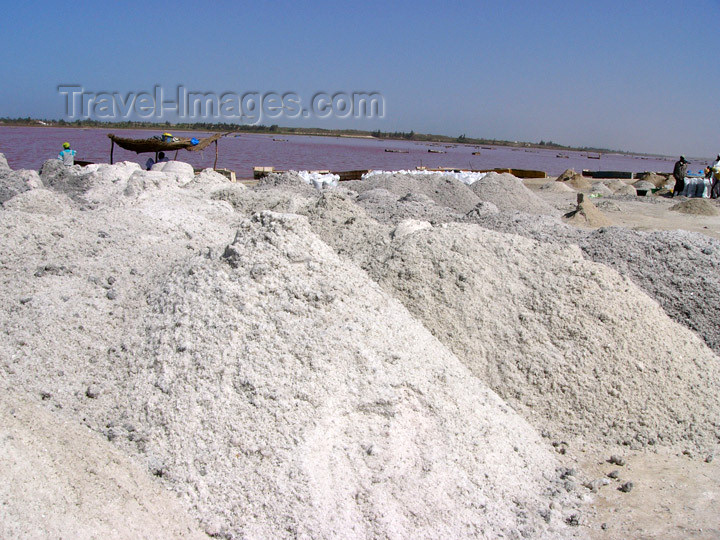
(249, 201)
(444, 190)
(183, 170)
(60, 480)
(106, 183)
(508, 193)
(81, 332)
(91, 185)
(387, 207)
(209, 180)
(665, 264)
(290, 181)
(71, 180)
(11, 184)
(348, 228)
(72, 282)
(679, 269)
(39, 201)
(283, 393)
(575, 347)
(14, 182)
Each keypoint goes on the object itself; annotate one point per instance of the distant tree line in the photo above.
(260, 128)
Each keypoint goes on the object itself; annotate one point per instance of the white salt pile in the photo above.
(287, 392)
(466, 177)
(39, 201)
(661, 263)
(270, 383)
(569, 343)
(14, 182)
(443, 189)
(289, 181)
(327, 374)
(175, 167)
(317, 180)
(508, 193)
(387, 207)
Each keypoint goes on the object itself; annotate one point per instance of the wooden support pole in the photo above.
(176, 153)
(112, 147)
(216, 154)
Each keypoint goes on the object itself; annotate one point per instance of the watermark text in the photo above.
(192, 105)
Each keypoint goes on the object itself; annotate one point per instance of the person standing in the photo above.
(66, 155)
(715, 176)
(679, 172)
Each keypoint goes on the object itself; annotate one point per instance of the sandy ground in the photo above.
(638, 213)
(674, 496)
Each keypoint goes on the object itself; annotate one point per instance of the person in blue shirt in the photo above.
(160, 159)
(66, 155)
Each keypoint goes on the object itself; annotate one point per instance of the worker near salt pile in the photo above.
(160, 159)
(715, 175)
(67, 155)
(679, 172)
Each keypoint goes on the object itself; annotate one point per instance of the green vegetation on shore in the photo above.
(279, 130)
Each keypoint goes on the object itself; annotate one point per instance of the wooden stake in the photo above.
(112, 147)
(216, 154)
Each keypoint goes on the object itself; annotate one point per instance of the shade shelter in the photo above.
(141, 146)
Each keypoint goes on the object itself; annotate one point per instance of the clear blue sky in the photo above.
(640, 76)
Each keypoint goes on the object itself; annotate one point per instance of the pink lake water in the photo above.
(29, 147)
